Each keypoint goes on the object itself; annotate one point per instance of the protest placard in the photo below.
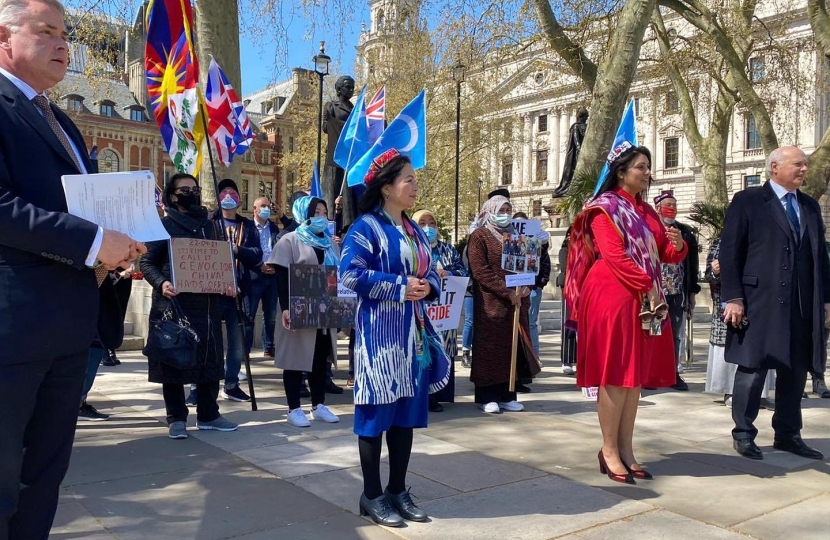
(445, 312)
(201, 266)
(317, 298)
(521, 250)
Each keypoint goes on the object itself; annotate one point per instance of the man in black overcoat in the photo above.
(775, 279)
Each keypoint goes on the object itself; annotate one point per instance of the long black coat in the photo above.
(757, 255)
(204, 311)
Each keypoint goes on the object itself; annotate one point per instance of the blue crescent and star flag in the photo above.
(354, 139)
(316, 190)
(626, 138)
(407, 133)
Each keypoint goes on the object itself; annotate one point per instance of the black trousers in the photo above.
(789, 387)
(293, 380)
(39, 403)
(677, 316)
(495, 392)
(207, 408)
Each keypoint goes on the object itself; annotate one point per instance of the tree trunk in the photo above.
(571, 53)
(818, 175)
(217, 34)
(614, 78)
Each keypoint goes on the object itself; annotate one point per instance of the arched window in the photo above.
(108, 161)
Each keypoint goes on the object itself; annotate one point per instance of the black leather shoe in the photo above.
(332, 388)
(747, 448)
(402, 502)
(522, 388)
(798, 447)
(434, 406)
(108, 361)
(680, 384)
(114, 358)
(380, 510)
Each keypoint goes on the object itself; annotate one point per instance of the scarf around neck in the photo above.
(301, 209)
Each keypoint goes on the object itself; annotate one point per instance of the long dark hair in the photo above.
(172, 186)
(622, 164)
(373, 196)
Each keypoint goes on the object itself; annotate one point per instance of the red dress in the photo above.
(613, 349)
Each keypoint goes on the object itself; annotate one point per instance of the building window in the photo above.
(543, 123)
(507, 170)
(74, 103)
(107, 109)
(752, 180)
(753, 138)
(757, 69)
(672, 153)
(537, 208)
(637, 112)
(290, 145)
(243, 193)
(107, 161)
(672, 105)
(541, 166)
(136, 115)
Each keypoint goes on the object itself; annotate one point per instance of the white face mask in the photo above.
(502, 221)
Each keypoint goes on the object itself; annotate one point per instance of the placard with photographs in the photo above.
(521, 251)
(317, 299)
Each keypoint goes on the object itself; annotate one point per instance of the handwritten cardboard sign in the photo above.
(445, 313)
(201, 266)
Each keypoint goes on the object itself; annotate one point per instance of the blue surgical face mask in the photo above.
(432, 233)
(264, 213)
(502, 221)
(228, 203)
(318, 224)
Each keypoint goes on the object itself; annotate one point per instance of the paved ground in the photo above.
(525, 476)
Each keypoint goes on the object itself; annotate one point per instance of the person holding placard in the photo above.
(399, 358)
(187, 218)
(448, 263)
(307, 349)
(613, 286)
(493, 308)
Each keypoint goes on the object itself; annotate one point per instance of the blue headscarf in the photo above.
(303, 210)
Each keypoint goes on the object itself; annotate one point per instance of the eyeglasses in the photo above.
(188, 190)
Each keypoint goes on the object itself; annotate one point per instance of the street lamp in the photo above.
(321, 68)
(458, 77)
(480, 181)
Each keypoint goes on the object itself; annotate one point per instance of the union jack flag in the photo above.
(229, 129)
(376, 114)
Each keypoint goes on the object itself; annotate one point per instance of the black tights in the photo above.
(399, 443)
(293, 380)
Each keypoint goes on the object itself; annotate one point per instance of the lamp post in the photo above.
(458, 77)
(480, 181)
(321, 68)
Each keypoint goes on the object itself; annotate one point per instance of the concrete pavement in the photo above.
(527, 476)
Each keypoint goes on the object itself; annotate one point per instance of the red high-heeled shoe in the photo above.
(622, 478)
(640, 475)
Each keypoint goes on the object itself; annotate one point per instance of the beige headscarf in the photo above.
(491, 208)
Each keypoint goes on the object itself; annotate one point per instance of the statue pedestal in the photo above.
(557, 220)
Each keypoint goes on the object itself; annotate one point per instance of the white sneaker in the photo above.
(242, 376)
(511, 406)
(568, 369)
(492, 408)
(680, 367)
(297, 418)
(321, 412)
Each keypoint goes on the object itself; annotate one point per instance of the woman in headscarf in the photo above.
(447, 263)
(398, 356)
(305, 350)
(493, 308)
(613, 285)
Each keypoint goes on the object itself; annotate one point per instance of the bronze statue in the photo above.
(577, 135)
(334, 118)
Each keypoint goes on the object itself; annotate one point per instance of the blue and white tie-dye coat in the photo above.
(375, 262)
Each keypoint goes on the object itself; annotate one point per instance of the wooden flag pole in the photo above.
(515, 347)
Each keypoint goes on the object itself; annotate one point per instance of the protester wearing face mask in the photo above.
(493, 308)
(263, 278)
(679, 280)
(448, 263)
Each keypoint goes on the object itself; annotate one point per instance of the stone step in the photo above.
(129, 328)
(549, 325)
(132, 343)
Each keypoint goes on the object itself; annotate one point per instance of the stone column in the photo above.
(564, 129)
(527, 143)
(554, 147)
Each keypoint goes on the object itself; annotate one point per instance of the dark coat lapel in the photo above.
(775, 209)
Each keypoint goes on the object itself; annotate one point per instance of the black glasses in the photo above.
(188, 190)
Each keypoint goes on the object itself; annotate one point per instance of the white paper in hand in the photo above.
(123, 202)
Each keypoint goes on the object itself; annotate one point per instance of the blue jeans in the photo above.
(467, 336)
(95, 357)
(263, 289)
(533, 316)
(234, 350)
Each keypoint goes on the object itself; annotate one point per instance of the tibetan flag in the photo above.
(376, 114)
(316, 190)
(407, 133)
(172, 81)
(229, 129)
(626, 138)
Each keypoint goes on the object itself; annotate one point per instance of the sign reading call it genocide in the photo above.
(445, 312)
(201, 266)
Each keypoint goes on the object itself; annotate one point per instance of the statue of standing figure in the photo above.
(335, 115)
(577, 135)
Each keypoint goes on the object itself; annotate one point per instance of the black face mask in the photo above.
(187, 201)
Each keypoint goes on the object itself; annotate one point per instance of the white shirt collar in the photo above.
(780, 191)
(21, 85)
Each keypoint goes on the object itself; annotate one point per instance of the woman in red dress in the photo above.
(613, 288)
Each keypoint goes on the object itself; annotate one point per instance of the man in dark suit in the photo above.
(48, 292)
(775, 276)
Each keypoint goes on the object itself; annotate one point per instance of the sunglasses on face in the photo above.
(188, 190)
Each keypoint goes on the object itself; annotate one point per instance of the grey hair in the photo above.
(776, 156)
(11, 11)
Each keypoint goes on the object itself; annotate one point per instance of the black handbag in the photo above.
(172, 340)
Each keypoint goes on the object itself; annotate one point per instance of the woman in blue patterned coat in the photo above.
(448, 263)
(398, 356)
